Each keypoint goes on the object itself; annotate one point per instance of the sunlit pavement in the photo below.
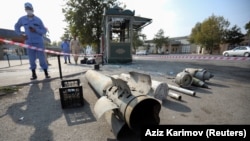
(16, 72)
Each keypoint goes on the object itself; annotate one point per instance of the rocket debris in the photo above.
(122, 105)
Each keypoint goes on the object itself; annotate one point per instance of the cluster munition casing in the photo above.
(125, 103)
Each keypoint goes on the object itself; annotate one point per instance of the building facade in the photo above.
(181, 45)
(176, 45)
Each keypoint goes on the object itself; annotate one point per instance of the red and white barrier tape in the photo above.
(197, 57)
(40, 49)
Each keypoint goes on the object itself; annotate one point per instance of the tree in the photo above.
(137, 41)
(233, 36)
(195, 36)
(160, 39)
(85, 18)
(247, 27)
(210, 33)
(54, 43)
(66, 34)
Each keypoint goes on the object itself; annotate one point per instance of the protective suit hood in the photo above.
(28, 5)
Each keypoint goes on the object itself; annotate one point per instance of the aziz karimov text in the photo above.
(207, 132)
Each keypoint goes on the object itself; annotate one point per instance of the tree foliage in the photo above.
(233, 36)
(160, 39)
(66, 34)
(138, 39)
(247, 27)
(195, 35)
(210, 33)
(85, 19)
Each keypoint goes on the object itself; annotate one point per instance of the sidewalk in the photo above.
(34, 113)
(19, 74)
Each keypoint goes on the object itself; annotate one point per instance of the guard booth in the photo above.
(116, 40)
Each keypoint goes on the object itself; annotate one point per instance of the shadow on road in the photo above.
(216, 85)
(79, 115)
(203, 91)
(176, 106)
(36, 111)
(126, 135)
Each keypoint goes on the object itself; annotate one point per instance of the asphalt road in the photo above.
(35, 114)
(225, 102)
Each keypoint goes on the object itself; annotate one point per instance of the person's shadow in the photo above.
(36, 111)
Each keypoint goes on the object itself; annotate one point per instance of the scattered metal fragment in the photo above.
(174, 95)
(131, 108)
(179, 89)
(184, 79)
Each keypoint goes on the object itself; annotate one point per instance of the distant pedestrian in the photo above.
(75, 48)
(33, 35)
(66, 49)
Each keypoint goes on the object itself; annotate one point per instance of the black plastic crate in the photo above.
(70, 83)
(71, 93)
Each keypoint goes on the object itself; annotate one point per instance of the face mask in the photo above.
(29, 12)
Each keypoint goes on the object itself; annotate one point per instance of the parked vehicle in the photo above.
(238, 51)
(141, 52)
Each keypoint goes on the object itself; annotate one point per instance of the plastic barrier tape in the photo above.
(40, 49)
